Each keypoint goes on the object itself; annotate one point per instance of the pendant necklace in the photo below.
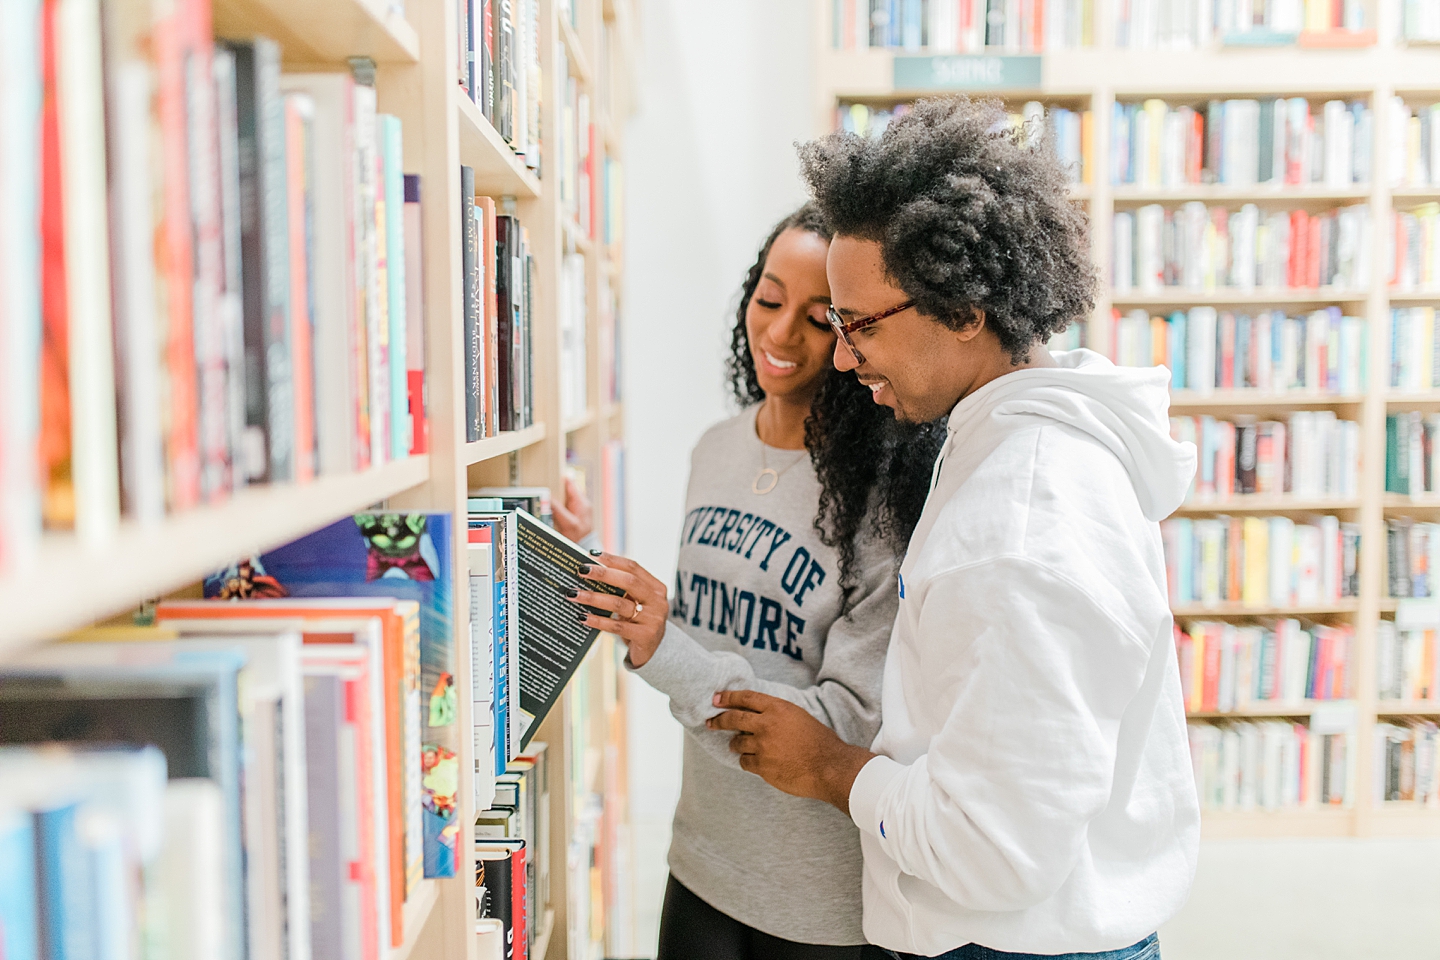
(768, 477)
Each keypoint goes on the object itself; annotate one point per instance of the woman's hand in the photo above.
(640, 615)
(574, 519)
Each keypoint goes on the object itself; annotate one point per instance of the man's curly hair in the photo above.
(968, 216)
(872, 469)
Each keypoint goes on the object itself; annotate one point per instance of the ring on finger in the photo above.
(639, 609)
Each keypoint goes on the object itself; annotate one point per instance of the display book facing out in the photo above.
(320, 674)
(238, 292)
(1254, 264)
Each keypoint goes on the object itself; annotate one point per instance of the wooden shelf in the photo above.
(1407, 708)
(1308, 821)
(1426, 402)
(574, 52)
(1400, 503)
(1222, 402)
(542, 939)
(1260, 193)
(418, 911)
(498, 171)
(1226, 296)
(502, 443)
(1229, 609)
(1402, 818)
(1413, 296)
(1420, 194)
(579, 422)
(1261, 709)
(317, 32)
(1267, 503)
(69, 586)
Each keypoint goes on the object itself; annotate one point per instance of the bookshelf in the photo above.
(69, 583)
(1095, 78)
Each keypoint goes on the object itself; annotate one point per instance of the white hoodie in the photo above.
(1034, 792)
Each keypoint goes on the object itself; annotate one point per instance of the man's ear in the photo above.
(972, 327)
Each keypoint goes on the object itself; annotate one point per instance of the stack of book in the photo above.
(1068, 132)
(1225, 667)
(1313, 455)
(1412, 259)
(1193, 24)
(1261, 561)
(1407, 663)
(499, 306)
(1407, 762)
(1412, 558)
(1241, 143)
(214, 299)
(1410, 453)
(961, 26)
(1412, 344)
(497, 64)
(512, 852)
(1206, 349)
(1413, 144)
(1199, 248)
(1270, 765)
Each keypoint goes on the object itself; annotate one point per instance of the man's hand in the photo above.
(788, 748)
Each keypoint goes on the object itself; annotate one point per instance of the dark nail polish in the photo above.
(572, 594)
(596, 553)
(582, 618)
(584, 569)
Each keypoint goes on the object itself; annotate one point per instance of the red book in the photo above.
(1210, 698)
(520, 949)
(1299, 256)
(1312, 254)
(491, 390)
(55, 457)
(302, 360)
(1227, 351)
(1195, 154)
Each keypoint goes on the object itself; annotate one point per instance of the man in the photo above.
(1030, 790)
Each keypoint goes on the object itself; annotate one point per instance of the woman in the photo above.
(797, 511)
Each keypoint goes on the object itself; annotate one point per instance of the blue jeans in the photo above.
(1147, 949)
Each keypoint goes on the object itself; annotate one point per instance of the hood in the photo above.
(1125, 408)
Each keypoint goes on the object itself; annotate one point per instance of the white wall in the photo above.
(710, 166)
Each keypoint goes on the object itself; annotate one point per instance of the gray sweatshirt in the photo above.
(756, 605)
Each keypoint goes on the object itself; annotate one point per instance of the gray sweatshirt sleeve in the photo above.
(845, 696)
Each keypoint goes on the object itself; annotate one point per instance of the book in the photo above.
(1245, 665)
(339, 362)
(552, 642)
(19, 903)
(394, 665)
(183, 702)
(472, 271)
(488, 513)
(1303, 563)
(406, 556)
(415, 396)
(299, 207)
(485, 666)
(269, 444)
(393, 184)
(490, 380)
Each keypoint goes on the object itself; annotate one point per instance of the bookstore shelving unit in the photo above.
(69, 584)
(1093, 78)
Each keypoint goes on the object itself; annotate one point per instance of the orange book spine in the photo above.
(488, 252)
(1211, 697)
(55, 447)
(302, 362)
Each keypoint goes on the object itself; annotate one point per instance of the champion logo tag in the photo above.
(902, 586)
(882, 830)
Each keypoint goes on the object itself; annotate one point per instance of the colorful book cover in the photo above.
(409, 556)
(19, 907)
(415, 320)
(55, 459)
(393, 184)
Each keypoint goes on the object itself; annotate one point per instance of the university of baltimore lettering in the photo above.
(754, 621)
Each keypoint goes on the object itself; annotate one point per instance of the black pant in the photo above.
(691, 929)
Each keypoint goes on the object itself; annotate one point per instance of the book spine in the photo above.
(415, 320)
(299, 111)
(472, 282)
(379, 321)
(394, 184)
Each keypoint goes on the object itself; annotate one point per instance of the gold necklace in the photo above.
(760, 487)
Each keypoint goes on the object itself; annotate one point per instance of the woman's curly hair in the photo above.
(872, 469)
(967, 214)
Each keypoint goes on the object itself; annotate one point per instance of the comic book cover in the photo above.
(408, 556)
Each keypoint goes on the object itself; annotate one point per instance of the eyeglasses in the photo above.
(844, 328)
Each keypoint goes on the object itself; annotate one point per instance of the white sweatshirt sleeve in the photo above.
(846, 693)
(1031, 680)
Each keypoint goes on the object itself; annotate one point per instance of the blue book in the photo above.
(19, 910)
(912, 29)
(1177, 350)
(407, 556)
(394, 240)
(66, 885)
(182, 701)
(508, 731)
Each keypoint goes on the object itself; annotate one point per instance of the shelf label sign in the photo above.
(967, 72)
